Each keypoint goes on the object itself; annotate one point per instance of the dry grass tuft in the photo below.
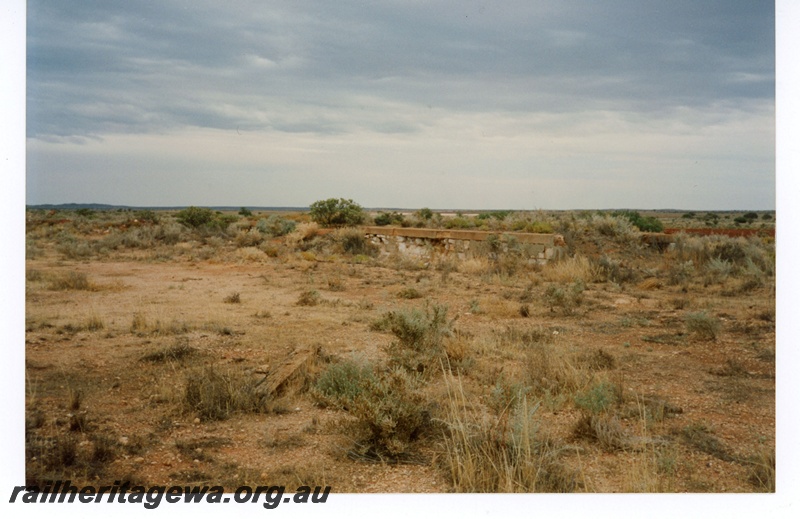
(70, 281)
(308, 298)
(215, 394)
(503, 454)
(303, 232)
(474, 266)
(570, 270)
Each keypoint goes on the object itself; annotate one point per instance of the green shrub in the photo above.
(392, 414)
(421, 330)
(393, 218)
(335, 212)
(424, 214)
(275, 225)
(459, 222)
(598, 398)
(85, 212)
(566, 298)
(147, 216)
(420, 336)
(341, 383)
(539, 228)
(195, 216)
(354, 242)
(643, 223)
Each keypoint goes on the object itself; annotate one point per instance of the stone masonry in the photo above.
(426, 243)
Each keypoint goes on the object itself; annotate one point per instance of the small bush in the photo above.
(354, 242)
(234, 298)
(249, 238)
(420, 336)
(147, 216)
(393, 218)
(341, 383)
(717, 270)
(565, 298)
(597, 399)
(308, 298)
(702, 326)
(409, 293)
(392, 414)
(275, 225)
(643, 223)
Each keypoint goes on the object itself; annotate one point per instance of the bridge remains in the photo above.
(427, 243)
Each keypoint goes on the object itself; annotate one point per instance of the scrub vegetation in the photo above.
(247, 347)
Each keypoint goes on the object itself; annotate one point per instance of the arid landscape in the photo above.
(250, 348)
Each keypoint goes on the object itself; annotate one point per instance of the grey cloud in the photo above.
(98, 67)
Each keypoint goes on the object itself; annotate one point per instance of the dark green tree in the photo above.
(195, 216)
(336, 212)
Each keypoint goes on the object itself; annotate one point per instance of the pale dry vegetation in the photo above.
(172, 348)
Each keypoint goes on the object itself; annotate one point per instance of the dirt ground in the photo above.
(697, 412)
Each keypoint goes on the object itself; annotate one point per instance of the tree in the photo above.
(425, 214)
(245, 212)
(195, 216)
(336, 212)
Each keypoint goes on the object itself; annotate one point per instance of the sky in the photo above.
(519, 104)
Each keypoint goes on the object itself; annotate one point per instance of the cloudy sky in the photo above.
(518, 104)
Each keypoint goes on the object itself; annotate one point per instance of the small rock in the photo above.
(197, 420)
(123, 440)
(138, 460)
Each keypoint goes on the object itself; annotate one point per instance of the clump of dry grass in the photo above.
(308, 298)
(251, 254)
(70, 281)
(762, 470)
(248, 238)
(702, 326)
(474, 266)
(177, 352)
(141, 325)
(409, 293)
(303, 232)
(570, 270)
(215, 394)
(503, 454)
(233, 298)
